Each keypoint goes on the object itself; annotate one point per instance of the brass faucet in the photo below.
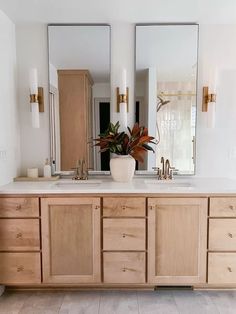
(81, 171)
(166, 172)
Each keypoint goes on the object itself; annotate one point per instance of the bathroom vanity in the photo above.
(142, 234)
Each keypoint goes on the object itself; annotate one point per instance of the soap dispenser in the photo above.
(47, 169)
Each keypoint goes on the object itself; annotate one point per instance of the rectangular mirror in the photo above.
(166, 91)
(79, 78)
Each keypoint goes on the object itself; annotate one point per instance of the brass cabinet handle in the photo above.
(97, 207)
(229, 269)
(123, 235)
(18, 207)
(230, 235)
(20, 268)
(232, 207)
(124, 269)
(19, 235)
(123, 207)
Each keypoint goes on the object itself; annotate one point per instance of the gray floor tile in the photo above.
(118, 302)
(80, 303)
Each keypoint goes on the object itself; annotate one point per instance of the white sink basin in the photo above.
(169, 184)
(78, 183)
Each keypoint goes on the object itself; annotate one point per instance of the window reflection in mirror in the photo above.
(79, 78)
(166, 88)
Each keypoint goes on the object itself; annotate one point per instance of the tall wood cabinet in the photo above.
(177, 240)
(71, 240)
(75, 96)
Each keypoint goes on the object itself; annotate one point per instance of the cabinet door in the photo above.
(71, 240)
(177, 240)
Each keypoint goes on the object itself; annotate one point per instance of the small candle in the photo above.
(123, 83)
(32, 172)
(33, 81)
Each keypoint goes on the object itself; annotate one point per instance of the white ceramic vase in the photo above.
(122, 168)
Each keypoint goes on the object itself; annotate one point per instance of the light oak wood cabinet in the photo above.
(177, 240)
(20, 262)
(222, 241)
(71, 250)
(75, 96)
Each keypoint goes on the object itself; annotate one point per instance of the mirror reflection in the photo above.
(166, 80)
(79, 76)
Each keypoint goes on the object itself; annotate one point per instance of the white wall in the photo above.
(215, 147)
(9, 126)
(32, 52)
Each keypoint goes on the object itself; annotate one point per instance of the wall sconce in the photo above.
(207, 98)
(36, 97)
(209, 106)
(122, 93)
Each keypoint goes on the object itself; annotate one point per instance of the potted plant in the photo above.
(126, 148)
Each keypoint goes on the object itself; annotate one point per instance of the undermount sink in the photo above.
(78, 183)
(169, 184)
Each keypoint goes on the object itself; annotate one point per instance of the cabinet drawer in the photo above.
(124, 234)
(126, 267)
(222, 268)
(19, 207)
(223, 207)
(222, 234)
(19, 235)
(20, 268)
(124, 207)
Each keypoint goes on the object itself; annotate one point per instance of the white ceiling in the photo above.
(172, 50)
(110, 11)
(81, 47)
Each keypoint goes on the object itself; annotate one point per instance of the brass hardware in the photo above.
(230, 235)
(97, 207)
(123, 207)
(124, 269)
(122, 98)
(81, 172)
(123, 235)
(166, 172)
(38, 98)
(20, 268)
(206, 98)
(232, 207)
(229, 269)
(18, 207)
(19, 235)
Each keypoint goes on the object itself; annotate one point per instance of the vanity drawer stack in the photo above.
(124, 240)
(19, 241)
(222, 241)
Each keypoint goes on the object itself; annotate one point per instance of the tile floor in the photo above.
(119, 302)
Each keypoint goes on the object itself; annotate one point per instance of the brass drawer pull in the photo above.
(124, 235)
(18, 207)
(124, 269)
(19, 235)
(97, 207)
(123, 207)
(232, 207)
(20, 268)
(230, 235)
(229, 269)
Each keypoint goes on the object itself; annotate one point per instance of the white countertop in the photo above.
(139, 185)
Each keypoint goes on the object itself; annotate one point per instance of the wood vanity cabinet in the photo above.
(19, 241)
(177, 240)
(71, 240)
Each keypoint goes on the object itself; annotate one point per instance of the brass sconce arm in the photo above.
(38, 98)
(207, 98)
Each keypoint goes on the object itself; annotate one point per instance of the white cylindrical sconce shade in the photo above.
(123, 82)
(35, 115)
(123, 117)
(33, 81)
(211, 115)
